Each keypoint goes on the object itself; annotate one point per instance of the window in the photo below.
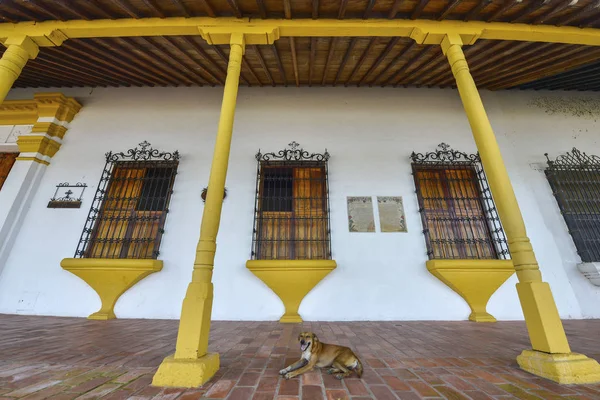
(292, 206)
(459, 217)
(575, 181)
(129, 211)
(7, 161)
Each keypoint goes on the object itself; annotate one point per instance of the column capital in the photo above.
(449, 40)
(25, 43)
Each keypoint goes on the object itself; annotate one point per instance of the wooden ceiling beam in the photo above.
(94, 8)
(394, 62)
(572, 83)
(328, 62)
(17, 9)
(369, 9)
(261, 60)
(342, 10)
(204, 71)
(182, 8)
(419, 9)
(294, 60)
(46, 69)
(404, 67)
(61, 63)
(315, 9)
(311, 59)
(527, 11)
(475, 11)
(573, 76)
(108, 56)
(499, 12)
(562, 5)
(590, 9)
(570, 60)
(360, 61)
(109, 67)
(345, 60)
(423, 57)
(73, 9)
(44, 9)
(287, 9)
(169, 56)
(262, 9)
(233, 4)
(151, 4)
(126, 7)
(132, 47)
(279, 64)
(247, 65)
(395, 8)
(386, 51)
(192, 43)
(449, 8)
(122, 52)
(180, 68)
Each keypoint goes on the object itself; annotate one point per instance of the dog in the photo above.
(341, 360)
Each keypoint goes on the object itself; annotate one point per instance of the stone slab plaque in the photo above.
(391, 214)
(360, 214)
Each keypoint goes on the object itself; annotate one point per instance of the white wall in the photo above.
(369, 133)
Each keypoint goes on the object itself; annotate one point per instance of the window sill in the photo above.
(291, 280)
(591, 270)
(474, 280)
(110, 278)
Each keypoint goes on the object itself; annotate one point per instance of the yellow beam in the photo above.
(219, 30)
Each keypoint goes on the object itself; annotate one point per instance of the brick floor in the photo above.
(69, 358)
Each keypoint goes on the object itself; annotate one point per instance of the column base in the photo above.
(569, 368)
(290, 318)
(103, 315)
(481, 317)
(186, 373)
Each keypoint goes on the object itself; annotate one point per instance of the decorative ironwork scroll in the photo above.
(130, 206)
(575, 181)
(291, 208)
(460, 219)
(66, 199)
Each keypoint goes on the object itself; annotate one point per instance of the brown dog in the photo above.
(316, 354)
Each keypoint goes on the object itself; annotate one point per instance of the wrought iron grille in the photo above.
(575, 181)
(7, 160)
(291, 209)
(127, 216)
(460, 220)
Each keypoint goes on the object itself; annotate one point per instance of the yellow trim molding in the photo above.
(474, 280)
(18, 112)
(291, 280)
(258, 31)
(110, 278)
(569, 368)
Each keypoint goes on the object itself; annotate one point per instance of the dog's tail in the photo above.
(358, 368)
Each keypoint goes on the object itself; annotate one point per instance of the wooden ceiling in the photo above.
(360, 61)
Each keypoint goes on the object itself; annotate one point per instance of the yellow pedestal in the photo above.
(570, 368)
(291, 280)
(110, 278)
(186, 373)
(474, 280)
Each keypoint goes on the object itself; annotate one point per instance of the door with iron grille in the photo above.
(127, 217)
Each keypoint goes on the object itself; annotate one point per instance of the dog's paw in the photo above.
(287, 376)
(331, 371)
(339, 376)
(283, 371)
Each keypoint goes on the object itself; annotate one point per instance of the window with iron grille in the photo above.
(129, 210)
(459, 217)
(7, 160)
(575, 181)
(291, 219)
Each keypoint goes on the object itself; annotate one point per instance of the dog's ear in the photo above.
(299, 337)
(315, 338)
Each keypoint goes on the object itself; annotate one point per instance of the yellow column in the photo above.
(18, 51)
(191, 365)
(551, 356)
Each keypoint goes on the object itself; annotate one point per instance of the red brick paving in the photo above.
(71, 358)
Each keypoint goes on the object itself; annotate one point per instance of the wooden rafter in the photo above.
(233, 4)
(360, 61)
(294, 60)
(261, 60)
(505, 7)
(311, 61)
(534, 6)
(419, 9)
(558, 8)
(279, 64)
(182, 8)
(342, 10)
(197, 65)
(151, 4)
(475, 11)
(163, 53)
(206, 57)
(369, 9)
(426, 55)
(394, 62)
(262, 9)
(395, 8)
(386, 51)
(449, 8)
(345, 60)
(126, 8)
(315, 9)
(287, 9)
(329, 57)
(590, 9)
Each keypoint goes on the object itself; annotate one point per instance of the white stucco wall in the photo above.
(369, 133)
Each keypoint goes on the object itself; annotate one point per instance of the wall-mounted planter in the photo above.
(474, 280)
(291, 280)
(110, 278)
